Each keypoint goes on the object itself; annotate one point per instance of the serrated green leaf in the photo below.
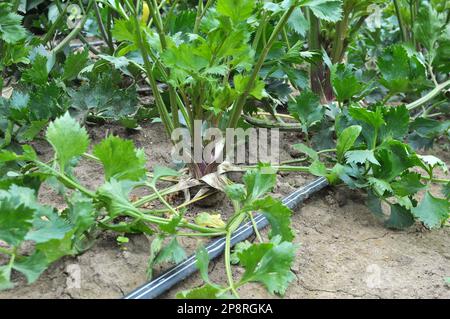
(374, 119)
(432, 162)
(432, 211)
(374, 204)
(334, 176)
(328, 10)
(396, 123)
(400, 218)
(306, 150)
(120, 62)
(124, 30)
(405, 202)
(115, 196)
(74, 63)
(345, 83)
(45, 101)
(307, 109)
(394, 157)
(23, 195)
(183, 21)
(399, 70)
(346, 140)
(47, 225)
(173, 252)
(234, 192)
(15, 220)
(361, 156)
(184, 58)
(428, 29)
(11, 29)
(237, 249)
(258, 182)
(40, 50)
(120, 159)
(31, 130)
(14, 54)
(32, 267)
(270, 264)
(57, 248)
(278, 215)
(408, 184)
(103, 96)
(37, 74)
(318, 168)
(171, 226)
(380, 186)
(217, 70)
(5, 277)
(298, 78)
(81, 213)
(68, 139)
(298, 22)
(155, 248)
(257, 91)
(429, 128)
(202, 262)
(18, 105)
(237, 10)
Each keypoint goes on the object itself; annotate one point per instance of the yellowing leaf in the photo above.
(208, 220)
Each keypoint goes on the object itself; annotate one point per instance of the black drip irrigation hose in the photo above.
(216, 247)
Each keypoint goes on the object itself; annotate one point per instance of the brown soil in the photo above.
(343, 251)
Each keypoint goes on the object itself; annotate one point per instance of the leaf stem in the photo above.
(102, 28)
(161, 198)
(339, 38)
(202, 234)
(239, 105)
(270, 124)
(66, 179)
(151, 197)
(170, 13)
(228, 264)
(6, 251)
(89, 45)
(429, 96)
(436, 180)
(401, 24)
(162, 110)
(75, 31)
(255, 227)
(164, 221)
(294, 161)
(263, 22)
(56, 24)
